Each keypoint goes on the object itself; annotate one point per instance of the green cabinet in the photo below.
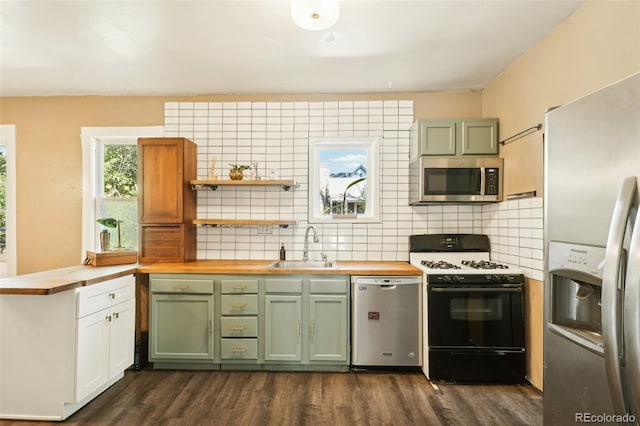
(442, 137)
(290, 322)
(282, 327)
(328, 330)
(307, 320)
(239, 308)
(181, 319)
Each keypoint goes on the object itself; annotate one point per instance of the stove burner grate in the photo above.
(439, 264)
(483, 264)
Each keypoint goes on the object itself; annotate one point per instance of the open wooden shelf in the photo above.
(286, 184)
(241, 222)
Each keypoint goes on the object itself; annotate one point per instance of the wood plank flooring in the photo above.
(237, 398)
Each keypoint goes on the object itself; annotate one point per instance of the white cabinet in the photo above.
(59, 351)
(105, 333)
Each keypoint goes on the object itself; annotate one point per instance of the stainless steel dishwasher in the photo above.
(386, 320)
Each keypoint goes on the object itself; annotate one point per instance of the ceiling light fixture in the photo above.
(315, 15)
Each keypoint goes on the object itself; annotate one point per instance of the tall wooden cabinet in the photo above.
(166, 206)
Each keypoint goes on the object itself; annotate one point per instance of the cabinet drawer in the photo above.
(239, 349)
(239, 326)
(96, 297)
(239, 286)
(283, 286)
(244, 304)
(328, 286)
(186, 286)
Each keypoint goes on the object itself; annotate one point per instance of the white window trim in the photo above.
(372, 144)
(91, 137)
(8, 137)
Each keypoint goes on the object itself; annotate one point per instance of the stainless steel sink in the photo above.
(301, 264)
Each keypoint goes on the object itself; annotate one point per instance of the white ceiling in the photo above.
(162, 47)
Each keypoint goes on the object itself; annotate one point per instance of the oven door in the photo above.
(476, 316)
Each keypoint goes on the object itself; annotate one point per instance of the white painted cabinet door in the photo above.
(92, 353)
(121, 337)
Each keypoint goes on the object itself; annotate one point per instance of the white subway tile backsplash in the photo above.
(276, 134)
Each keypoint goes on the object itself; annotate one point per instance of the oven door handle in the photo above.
(505, 289)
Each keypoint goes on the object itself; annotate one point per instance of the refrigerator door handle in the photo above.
(632, 321)
(611, 282)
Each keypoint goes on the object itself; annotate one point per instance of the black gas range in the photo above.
(473, 310)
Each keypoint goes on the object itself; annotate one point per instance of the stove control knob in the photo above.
(446, 278)
(496, 278)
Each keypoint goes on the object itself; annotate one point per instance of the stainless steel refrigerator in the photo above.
(592, 258)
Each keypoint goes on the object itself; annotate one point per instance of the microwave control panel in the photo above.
(491, 183)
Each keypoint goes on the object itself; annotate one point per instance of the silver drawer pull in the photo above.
(238, 350)
(180, 287)
(238, 305)
(238, 328)
(239, 287)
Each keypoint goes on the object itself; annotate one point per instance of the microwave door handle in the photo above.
(632, 319)
(482, 180)
(611, 287)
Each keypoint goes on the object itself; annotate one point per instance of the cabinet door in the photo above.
(479, 137)
(437, 137)
(160, 170)
(328, 328)
(181, 327)
(283, 328)
(92, 339)
(121, 337)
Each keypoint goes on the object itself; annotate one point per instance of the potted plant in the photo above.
(104, 234)
(237, 171)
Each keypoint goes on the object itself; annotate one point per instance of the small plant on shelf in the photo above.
(237, 171)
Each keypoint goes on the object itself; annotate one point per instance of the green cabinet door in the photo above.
(181, 327)
(283, 327)
(479, 136)
(328, 327)
(436, 137)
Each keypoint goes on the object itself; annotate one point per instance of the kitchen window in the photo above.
(343, 180)
(110, 190)
(8, 246)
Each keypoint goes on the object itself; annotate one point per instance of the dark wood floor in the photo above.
(297, 398)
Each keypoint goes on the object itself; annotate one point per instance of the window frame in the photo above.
(8, 134)
(92, 138)
(372, 145)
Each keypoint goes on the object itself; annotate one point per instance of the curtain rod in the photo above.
(536, 127)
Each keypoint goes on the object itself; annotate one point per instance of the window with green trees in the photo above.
(118, 194)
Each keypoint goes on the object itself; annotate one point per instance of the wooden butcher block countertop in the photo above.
(260, 267)
(57, 280)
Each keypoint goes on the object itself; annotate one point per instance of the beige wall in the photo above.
(598, 45)
(49, 169)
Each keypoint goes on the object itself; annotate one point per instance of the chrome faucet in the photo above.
(305, 251)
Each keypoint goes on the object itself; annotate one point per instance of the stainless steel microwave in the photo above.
(455, 179)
